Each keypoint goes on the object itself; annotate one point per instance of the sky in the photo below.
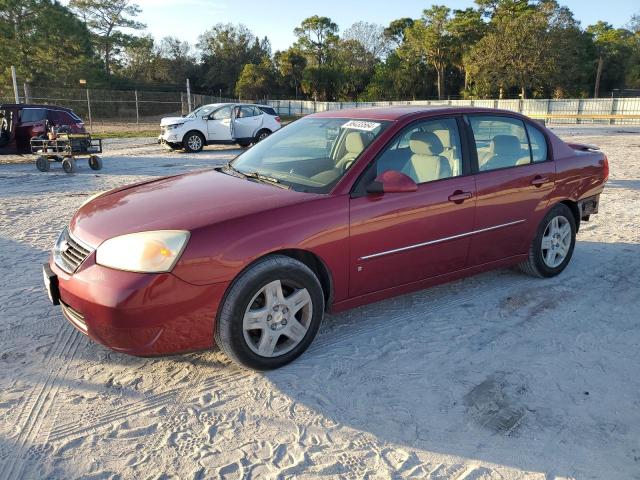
(187, 19)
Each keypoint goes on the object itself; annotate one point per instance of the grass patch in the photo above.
(127, 134)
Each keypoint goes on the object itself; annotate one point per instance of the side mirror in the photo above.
(392, 181)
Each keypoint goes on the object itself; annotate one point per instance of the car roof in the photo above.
(33, 105)
(397, 112)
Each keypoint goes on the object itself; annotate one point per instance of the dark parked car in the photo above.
(19, 123)
(335, 210)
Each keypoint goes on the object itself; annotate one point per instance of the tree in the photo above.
(316, 37)
(291, 64)
(226, 48)
(466, 28)
(613, 46)
(430, 40)
(395, 32)
(356, 64)
(45, 41)
(254, 81)
(106, 19)
(371, 36)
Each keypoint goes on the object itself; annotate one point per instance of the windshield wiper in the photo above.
(230, 170)
(266, 179)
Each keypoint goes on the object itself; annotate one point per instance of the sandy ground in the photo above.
(496, 376)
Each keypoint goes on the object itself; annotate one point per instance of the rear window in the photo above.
(32, 115)
(269, 111)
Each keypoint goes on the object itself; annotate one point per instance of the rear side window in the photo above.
(32, 115)
(538, 144)
(269, 111)
(501, 142)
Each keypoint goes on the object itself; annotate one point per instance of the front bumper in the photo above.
(136, 313)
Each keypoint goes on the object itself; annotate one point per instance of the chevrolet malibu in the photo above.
(336, 210)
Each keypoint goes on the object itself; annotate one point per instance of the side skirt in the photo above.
(422, 284)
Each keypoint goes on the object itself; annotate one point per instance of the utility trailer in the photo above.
(67, 148)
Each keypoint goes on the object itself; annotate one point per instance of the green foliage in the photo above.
(255, 80)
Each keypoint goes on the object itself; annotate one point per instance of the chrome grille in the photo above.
(69, 253)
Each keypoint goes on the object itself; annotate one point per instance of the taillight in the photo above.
(605, 168)
(278, 120)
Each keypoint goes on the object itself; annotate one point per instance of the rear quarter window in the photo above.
(28, 115)
(538, 144)
(269, 111)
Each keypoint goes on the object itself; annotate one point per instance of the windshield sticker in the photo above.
(361, 125)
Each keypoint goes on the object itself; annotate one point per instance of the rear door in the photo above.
(31, 123)
(514, 179)
(399, 238)
(247, 122)
(219, 125)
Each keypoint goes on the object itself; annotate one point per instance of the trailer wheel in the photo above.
(42, 164)
(95, 162)
(69, 165)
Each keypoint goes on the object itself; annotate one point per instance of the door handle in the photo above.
(538, 181)
(459, 196)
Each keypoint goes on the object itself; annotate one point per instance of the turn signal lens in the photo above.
(148, 252)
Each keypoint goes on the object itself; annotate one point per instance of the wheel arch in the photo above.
(196, 130)
(263, 129)
(575, 210)
(309, 259)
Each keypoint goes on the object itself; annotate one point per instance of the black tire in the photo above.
(42, 164)
(193, 141)
(69, 165)
(95, 162)
(229, 332)
(536, 265)
(262, 134)
(244, 144)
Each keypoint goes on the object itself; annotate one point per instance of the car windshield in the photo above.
(310, 154)
(203, 111)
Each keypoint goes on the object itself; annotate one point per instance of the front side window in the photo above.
(425, 151)
(501, 142)
(311, 154)
(221, 114)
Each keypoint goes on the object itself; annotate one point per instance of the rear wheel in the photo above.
(271, 313)
(95, 162)
(69, 165)
(552, 247)
(42, 164)
(262, 134)
(193, 142)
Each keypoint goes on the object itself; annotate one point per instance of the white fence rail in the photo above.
(618, 111)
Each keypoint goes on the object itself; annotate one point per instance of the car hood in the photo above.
(174, 120)
(182, 202)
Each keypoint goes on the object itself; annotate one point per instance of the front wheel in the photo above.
(193, 142)
(271, 314)
(95, 162)
(69, 165)
(42, 164)
(552, 247)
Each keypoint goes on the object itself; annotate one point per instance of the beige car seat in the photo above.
(505, 151)
(354, 144)
(451, 151)
(426, 163)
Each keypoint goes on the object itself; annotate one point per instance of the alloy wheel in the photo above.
(277, 318)
(556, 241)
(194, 142)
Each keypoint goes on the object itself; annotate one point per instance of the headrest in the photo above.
(444, 135)
(505, 145)
(354, 142)
(425, 143)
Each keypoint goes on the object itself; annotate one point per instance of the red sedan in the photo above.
(336, 210)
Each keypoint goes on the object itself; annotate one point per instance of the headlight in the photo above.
(173, 127)
(146, 252)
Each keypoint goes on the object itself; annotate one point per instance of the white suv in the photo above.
(219, 123)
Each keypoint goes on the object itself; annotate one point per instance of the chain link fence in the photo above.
(116, 111)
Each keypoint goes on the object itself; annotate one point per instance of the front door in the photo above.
(219, 125)
(399, 238)
(514, 180)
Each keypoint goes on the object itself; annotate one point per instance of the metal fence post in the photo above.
(15, 84)
(89, 111)
(289, 107)
(27, 93)
(137, 110)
